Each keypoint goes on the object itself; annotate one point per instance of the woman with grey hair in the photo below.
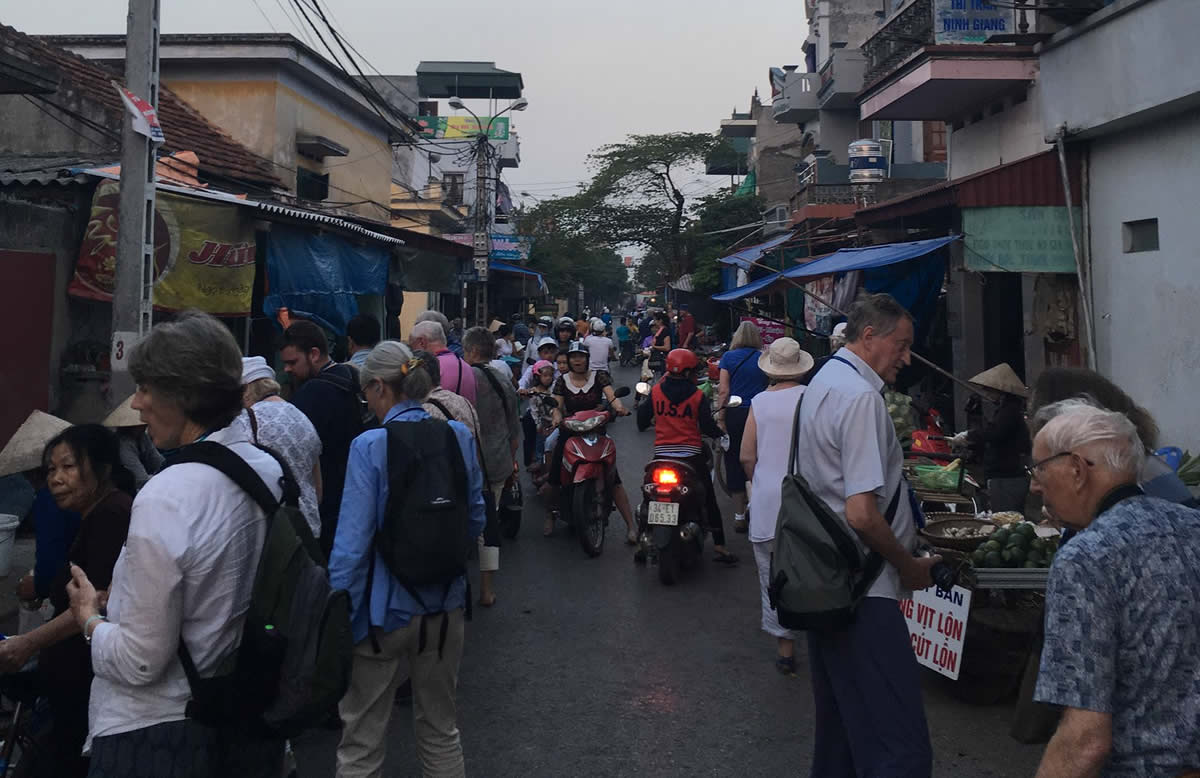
(397, 627)
(186, 573)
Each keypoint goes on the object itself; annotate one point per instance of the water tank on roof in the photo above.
(868, 163)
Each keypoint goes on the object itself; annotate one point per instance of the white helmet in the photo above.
(598, 325)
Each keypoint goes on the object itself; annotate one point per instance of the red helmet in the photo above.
(681, 361)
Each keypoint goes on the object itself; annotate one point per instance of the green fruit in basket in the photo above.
(1036, 558)
(993, 545)
(993, 559)
(1026, 529)
(1017, 540)
(1001, 536)
(1037, 544)
(979, 558)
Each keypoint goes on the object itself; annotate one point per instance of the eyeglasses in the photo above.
(1032, 470)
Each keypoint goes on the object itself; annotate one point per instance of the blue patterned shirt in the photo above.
(1123, 633)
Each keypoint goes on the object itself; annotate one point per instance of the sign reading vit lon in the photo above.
(969, 21)
(1022, 240)
(937, 624)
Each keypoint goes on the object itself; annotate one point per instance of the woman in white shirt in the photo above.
(186, 572)
(766, 443)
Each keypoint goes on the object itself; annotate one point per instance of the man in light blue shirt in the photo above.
(427, 641)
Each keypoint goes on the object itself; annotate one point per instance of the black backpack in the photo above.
(352, 387)
(293, 664)
(425, 536)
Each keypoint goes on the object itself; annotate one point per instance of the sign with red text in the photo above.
(937, 626)
(145, 118)
(771, 330)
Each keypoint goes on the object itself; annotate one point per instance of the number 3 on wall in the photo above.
(119, 355)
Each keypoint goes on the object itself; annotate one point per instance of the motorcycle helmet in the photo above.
(598, 326)
(681, 362)
(546, 341)
(578, 347)
(546, 322)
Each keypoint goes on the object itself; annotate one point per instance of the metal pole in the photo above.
(482, 241)
(132, 303)
(1081, 272)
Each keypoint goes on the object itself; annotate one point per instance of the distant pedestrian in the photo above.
(600, 347)
(741, 376)
(870, 719)
(328, 394)
(362, 333)
(624, 341)
(686, 328)
(763, 452)
(1122, 645)
(443, 404)
(275, 423)
(451, 331)
(496, 401)
(456, 373)
(504, 340)
(399, 630)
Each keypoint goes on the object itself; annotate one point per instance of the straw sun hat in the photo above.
(24, 449)
(784, 359)
(1002, 379)
(124, 415)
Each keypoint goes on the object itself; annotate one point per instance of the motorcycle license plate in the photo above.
(665, 513)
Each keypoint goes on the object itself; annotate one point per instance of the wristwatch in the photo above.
(87, 636)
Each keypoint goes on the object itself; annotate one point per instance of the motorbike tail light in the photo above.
(665, 476)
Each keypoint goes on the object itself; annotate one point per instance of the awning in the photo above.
(749, 290)
(747, 256)
(503, 267)
(868, 257)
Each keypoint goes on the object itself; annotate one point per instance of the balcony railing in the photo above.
(907, 32)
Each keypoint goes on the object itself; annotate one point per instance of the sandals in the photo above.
(786, 665)
(726, 558)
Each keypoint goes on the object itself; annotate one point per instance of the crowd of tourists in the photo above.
(148, 556)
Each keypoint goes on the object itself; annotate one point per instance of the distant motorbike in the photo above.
(672, 519)
(589, 472)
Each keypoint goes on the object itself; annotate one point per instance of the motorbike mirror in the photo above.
(734, 402)
(622, 392)
(643, 388)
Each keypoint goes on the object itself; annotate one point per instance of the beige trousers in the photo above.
(367, 707)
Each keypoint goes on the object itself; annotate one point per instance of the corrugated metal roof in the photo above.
(28, 169)
(1033, 181)
(322, 218)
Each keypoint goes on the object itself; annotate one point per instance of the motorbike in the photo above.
(589, 471)
(672, 518)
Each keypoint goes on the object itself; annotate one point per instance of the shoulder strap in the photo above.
(438, 404)
(495, 382)
(459, 362)
(739, 364)
(795, 437)
(253, 425)
(222, 458)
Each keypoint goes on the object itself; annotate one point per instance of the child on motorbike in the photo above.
(543, 379)
(681, 414)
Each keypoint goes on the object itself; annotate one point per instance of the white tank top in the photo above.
(773, 413)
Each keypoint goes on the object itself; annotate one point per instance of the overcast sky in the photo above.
(593, 72)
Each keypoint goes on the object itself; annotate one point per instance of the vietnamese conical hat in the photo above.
(124, 415)
(24, 449)
(1002, 379)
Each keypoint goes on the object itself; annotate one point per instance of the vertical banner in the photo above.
(937, 626)
(204, 253)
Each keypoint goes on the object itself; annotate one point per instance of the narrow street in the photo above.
(592, 667)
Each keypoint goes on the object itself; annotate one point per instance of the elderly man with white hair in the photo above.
(457, 375)
(1122, 648)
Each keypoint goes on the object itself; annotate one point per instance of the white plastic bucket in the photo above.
(8, 538)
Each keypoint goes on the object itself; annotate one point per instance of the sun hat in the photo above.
(1002, 378)
(24, 449)
(495, 325)
(124, 415)
(547, 341)
(784, 359)
(254, 368)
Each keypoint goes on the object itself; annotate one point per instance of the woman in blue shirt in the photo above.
(395, 386)
(739, 376)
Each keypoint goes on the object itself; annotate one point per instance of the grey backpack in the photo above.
(818, 572)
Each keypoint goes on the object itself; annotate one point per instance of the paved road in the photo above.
(591, 667)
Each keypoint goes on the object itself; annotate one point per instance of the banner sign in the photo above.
(1022, 240)
(462, 127)
(937, 625)
(969, 21)
(204, 253)
(771, 330)
(145, 118)
(505, 248)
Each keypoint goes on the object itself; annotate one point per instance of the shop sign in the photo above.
(969, 21)
(462, 127)
(204, 253)
(1021, 240)
(505, 248)
(771, 330)
(937, 626)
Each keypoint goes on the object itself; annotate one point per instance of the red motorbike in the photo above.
(589, 472)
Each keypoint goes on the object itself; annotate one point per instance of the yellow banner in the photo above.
(204, 253)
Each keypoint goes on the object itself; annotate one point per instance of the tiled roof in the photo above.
(221, 157)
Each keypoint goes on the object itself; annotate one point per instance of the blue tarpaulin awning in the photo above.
(752, 288)
(750, 254)
(867, 257)
(503, 267)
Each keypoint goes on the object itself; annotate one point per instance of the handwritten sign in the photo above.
(771, 330)
(937, 626)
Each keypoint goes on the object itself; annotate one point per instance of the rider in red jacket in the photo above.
(681, 415)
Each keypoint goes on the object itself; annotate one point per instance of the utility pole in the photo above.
(132, 303)
(482, 241)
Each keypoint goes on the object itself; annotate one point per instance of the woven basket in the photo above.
(932, 532)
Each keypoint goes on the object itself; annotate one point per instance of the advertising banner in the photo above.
(937, 625)
(969, 21)
(1019, 239)
(505, 248)
(462, 127)
(771, 330)
(204, 253)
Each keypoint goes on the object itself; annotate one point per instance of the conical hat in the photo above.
(24, 449)
(124, 415)
(1002, 379)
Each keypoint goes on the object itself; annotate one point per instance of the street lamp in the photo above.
(481, 242)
